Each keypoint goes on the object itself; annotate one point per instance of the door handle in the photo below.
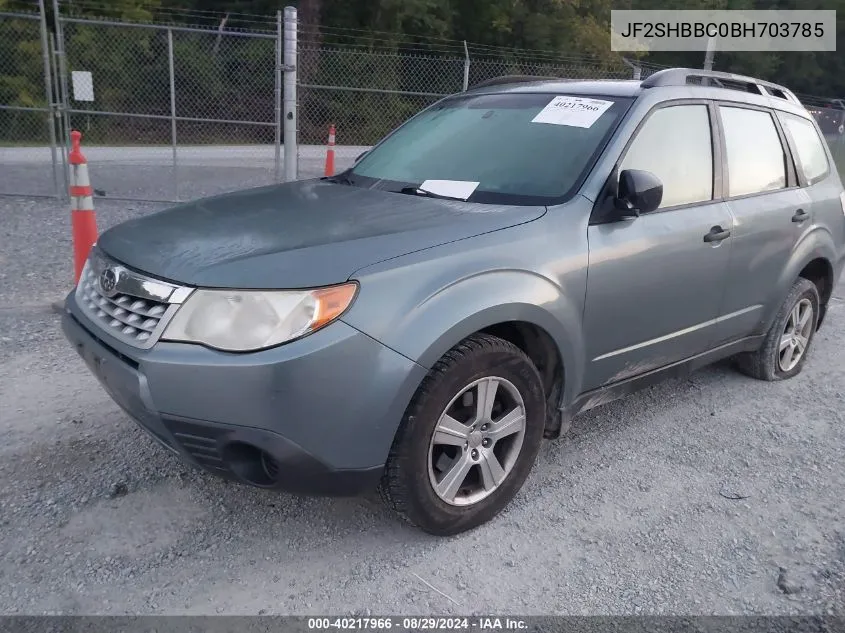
(800, 216)
(717, 234)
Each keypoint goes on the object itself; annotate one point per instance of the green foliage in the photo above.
(21, 77)
(397, 46)
(582, 27)
(21, 64)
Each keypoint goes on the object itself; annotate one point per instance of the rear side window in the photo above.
(676, 146)
(756, 160)
(808, 145)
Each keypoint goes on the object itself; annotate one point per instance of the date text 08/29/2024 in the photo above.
(418, 623)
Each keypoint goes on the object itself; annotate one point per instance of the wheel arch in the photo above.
(537, 333)
(521, 306)
(811, 259)
(820, 272)
(541, 348)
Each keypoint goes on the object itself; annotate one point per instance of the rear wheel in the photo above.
(787, 343)
(469, 438)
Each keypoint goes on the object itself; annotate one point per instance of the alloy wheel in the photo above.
(796, 335)
(476, 442)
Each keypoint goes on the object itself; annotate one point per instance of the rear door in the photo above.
(817, 174)
(772, 213)
(655, 284)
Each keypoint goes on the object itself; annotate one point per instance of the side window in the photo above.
(808, 145)
(756, 160)
(675, 145)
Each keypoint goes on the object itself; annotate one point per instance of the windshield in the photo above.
(503, 149)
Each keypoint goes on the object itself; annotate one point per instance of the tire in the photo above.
(766, 363)
(417, 463)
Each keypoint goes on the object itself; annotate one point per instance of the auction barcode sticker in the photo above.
(572, 111)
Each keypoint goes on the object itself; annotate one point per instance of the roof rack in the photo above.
(514, 79)
(686, 76)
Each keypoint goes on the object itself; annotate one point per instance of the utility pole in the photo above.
(711, 51)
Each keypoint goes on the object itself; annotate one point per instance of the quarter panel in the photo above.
(771, 251)
(828, 212)
(816, 243)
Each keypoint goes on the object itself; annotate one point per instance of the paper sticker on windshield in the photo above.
(453, 188)
(572, 111)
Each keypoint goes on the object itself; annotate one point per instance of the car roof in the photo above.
(610, 87)
(671, 82)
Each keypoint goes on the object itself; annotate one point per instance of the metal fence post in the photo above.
(64, 97)
(636, 69)
(278, 97)
(173, 113)
(48, 91)
(711, 51)
(291, 148)
(58, 123)
(466, 66)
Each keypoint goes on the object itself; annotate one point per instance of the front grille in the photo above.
(135, 310)
(132, 319)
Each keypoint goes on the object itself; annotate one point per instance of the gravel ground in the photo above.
(633, 512)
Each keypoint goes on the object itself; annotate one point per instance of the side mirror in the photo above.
(361, 155)
(639, 192)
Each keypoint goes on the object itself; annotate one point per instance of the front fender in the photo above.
(817, 243)
(497, 296)
(436, 322)
(424, 303)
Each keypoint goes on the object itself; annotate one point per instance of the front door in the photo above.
(655, 283)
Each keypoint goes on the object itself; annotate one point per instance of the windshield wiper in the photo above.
(416, 191)
(341, 179)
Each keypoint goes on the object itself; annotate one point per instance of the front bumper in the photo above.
(316, 416)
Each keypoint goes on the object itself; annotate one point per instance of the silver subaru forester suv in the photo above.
(509, 257)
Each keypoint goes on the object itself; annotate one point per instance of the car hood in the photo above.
(295, 235)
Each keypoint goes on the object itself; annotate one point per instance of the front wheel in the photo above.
(787, 343)
(469, 438)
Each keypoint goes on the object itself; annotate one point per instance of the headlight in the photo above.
(247, 320)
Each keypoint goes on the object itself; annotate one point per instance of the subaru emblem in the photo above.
(108, 281)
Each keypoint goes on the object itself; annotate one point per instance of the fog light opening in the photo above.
(270, 465)
(251, 464)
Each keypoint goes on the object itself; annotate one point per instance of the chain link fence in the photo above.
(173, 113)
(28, 163)
(176, 113)
(830, 115)
(366, 94)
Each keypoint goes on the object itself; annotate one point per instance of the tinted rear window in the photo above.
(812, 159)
(756, 160)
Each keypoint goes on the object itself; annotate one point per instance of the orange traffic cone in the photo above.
(330, 153)
(83, 218)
